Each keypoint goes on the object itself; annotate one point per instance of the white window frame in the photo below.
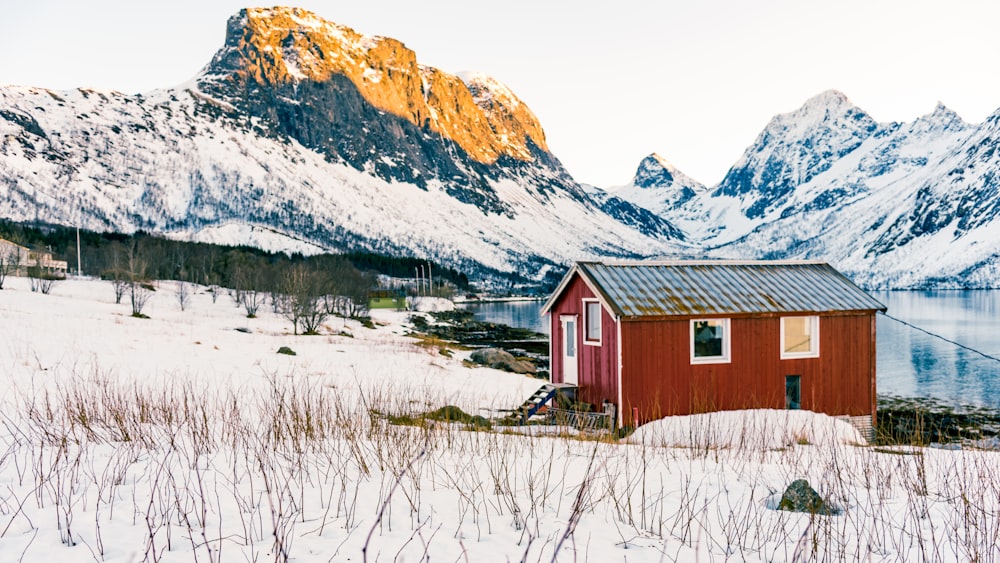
(813, 338)
(726, 357)
(586, 322)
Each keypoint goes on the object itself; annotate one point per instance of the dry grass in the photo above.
(275, 474)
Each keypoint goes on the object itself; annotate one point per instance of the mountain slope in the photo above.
(302, 127)
(893, 205)
(659, 186)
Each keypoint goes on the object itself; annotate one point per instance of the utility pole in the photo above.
(79, 267)
(430, 279)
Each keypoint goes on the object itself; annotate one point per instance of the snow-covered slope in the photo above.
(893, 205)
(658, 186)
(307, 131)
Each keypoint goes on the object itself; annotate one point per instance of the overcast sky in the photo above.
(610, 81)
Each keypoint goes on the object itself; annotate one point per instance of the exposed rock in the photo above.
(451, 413)
(923, 421)
(277, 46)
(501, 359)
(800, 497)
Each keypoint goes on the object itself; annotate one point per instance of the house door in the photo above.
(570, 362)
(793, 392)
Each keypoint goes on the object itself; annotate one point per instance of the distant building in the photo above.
(387, 299)
(673, 338)
(28, 258)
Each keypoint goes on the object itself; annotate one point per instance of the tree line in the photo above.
(304, 289)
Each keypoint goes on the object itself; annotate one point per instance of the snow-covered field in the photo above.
(181, 438)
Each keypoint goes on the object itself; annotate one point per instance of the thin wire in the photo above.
(960, 345)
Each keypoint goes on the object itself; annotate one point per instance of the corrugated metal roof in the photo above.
(658, 289)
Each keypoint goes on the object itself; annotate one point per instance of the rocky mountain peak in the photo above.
(502, 106)
(941, 119)
(659, 186)
(281, 49)
(829, 109)
(654, 170)
(794, 148)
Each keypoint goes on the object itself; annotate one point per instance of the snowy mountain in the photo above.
(658, 186)
(304, 131)
(893, 205)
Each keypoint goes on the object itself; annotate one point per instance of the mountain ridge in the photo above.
(893, 205)
(254, 142)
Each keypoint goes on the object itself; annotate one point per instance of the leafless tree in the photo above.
(183, 294)
(304, 289)
(347, 289)
(140, 291)
(40, 277)
(10, 261)
(249, 285)
(117, 274)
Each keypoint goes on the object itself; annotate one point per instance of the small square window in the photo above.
(710, 341)
(592, 322)
(799, 337)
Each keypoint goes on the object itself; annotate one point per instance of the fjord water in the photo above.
(914, 364)
(522, 314)
(910, 363)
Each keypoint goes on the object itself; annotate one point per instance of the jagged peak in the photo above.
(942, 118)
(486, 88)
(661, 161)
(285, 18)
(281, 46)
(656, 171)
(828, 98)
(830, 105)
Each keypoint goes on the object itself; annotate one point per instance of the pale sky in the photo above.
(610, 81)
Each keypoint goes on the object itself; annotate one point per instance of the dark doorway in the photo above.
(793, 392)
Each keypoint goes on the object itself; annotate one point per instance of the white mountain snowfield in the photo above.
(892, 205)
(302, 162)
(179, 438)
(187, 175)
(305, 136)
(658, 186)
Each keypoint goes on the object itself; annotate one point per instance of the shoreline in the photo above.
(926, 421)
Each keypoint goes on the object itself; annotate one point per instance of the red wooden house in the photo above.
(670, 338)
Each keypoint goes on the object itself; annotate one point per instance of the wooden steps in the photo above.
(533, 404)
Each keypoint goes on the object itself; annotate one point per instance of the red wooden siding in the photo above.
(659, 379)
(598, 368)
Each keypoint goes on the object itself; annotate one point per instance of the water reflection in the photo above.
(524, 314)
(910, 363)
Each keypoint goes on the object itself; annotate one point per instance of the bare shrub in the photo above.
(303, 289)
(139, 288)
(10, 260)
(183, 294)
(41, 278)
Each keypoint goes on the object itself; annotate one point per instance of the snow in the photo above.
(425, 304)
(266, 239)
(768, 429)
(892, 205)
(231, 452)
(181, 171)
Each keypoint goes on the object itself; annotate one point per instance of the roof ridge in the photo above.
(705, 262)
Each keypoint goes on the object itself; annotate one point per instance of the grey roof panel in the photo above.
(657, 289)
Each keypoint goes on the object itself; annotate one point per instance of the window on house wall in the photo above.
(800, 337)
(709, 341)
(592, 322)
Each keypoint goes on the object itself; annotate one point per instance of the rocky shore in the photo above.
(924, 421)
(460, 326)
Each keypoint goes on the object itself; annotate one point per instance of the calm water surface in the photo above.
(910, 363)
